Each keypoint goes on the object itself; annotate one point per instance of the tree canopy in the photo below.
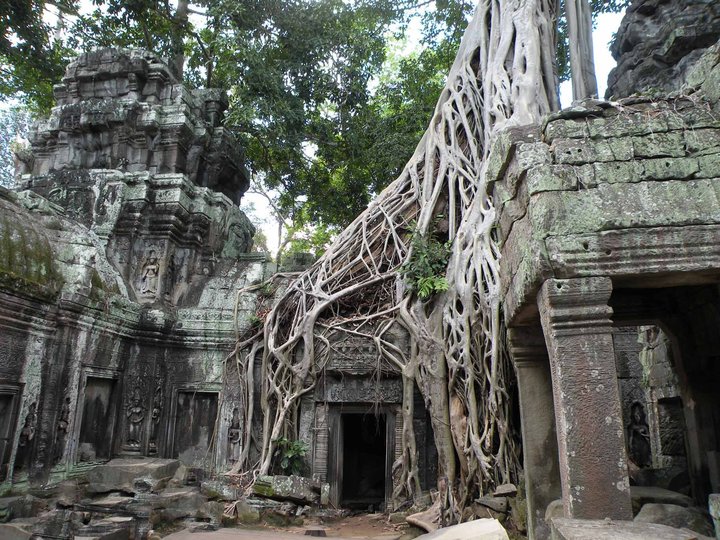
(326, 104)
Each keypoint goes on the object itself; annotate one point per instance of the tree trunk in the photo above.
(181, 21)
(582, 63)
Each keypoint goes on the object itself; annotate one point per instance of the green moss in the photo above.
(26, 259)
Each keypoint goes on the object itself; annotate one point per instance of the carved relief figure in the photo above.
(135, 415)
(155, 417)
(149, 276)
(170, 276)
(234, 437)
(638, 438)
(62, 429)
(27, 434)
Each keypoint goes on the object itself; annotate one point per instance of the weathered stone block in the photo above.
(551, 178)
(498, 504)
(709, 166)
(8, 531)
(121, 474)
(617, 172)
(297, 489)
(699, 142)
(622, 206)
(480, 529)
(532, 155)
(566, 129)
(676, 516)
(642, 495)
(219, 490)
(577, 151)
(580, 529)
(659, 145)
(670, 168)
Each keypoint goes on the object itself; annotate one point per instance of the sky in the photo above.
(607, 25)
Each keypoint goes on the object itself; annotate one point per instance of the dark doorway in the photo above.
(7, 421)
(96, 429)
(195, 417)
(364, 459)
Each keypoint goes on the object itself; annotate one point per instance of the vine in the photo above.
(502, 76)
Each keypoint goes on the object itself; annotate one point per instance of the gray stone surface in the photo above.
(658, 42)
(9, 531)
(288, 488)
(480, 529)
(123, 474)
(121, 252)
(642, 495)
(579, 529)
(680, 517)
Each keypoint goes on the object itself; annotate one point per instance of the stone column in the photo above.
(542, 475)
(576, 322)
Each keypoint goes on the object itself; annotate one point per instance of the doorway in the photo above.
(195, 416)
(361, 452)
(96, 431)
(364, 457)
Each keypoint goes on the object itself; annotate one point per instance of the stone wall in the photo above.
(609, 216)
(121, 254)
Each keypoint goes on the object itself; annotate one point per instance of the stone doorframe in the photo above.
(200, 388)
(8, 448)
(335, 445)
(573, 437)
(91, 372)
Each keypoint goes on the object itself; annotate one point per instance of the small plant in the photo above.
(424, 272)
(254, 320)
(290, 456)
(266, 290)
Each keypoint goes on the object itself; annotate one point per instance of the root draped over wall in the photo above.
(502, 76)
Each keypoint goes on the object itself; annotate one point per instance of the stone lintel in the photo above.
(578, 331)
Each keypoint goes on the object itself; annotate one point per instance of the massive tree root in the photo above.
(502, 76)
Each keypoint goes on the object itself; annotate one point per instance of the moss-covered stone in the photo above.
(26, 258)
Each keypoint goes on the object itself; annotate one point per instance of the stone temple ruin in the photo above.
(122, 251)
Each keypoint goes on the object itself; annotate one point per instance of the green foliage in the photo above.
(30, 62)
(424, 272)
(290, 456)
(14, 122)
(326, 104)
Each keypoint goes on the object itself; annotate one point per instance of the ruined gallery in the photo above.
(153, 367)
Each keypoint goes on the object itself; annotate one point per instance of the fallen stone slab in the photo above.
(498, 504)
(8, 531)
(20, 506)
(680, 517)
(505, 490)
(480, 529)
(124, 474)
(220, 491)
(427, 520)
(297, 489)
(581, 529)
(176, 503)
(642, 495)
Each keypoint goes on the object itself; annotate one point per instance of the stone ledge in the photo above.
(579, 529)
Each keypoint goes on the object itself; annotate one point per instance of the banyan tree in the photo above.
(423, 257)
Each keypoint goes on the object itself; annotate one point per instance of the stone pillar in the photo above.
(542, 475)
(576, 322)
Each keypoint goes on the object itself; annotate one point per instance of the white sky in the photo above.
(607, 25)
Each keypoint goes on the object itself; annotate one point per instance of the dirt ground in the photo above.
(359, 527)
